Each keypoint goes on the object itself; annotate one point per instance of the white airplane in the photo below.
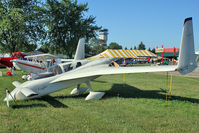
(40, 65)
(35, 64)
(83, 71)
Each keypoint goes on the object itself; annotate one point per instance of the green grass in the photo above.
(136, 105)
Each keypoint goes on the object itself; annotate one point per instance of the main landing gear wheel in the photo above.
(79, 90)
(95, 95)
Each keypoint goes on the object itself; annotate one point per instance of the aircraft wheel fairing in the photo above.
(79, 91)
(24, 77)
(95, 95)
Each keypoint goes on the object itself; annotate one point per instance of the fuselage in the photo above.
(29, 66)
(37, 67)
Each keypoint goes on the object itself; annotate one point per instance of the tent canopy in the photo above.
(120, 53)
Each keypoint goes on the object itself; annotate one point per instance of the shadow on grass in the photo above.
(28, 106)
(49, 99)
(99, 81)
(72, 96)
(127, 91)
(52, 101)
(117, 90)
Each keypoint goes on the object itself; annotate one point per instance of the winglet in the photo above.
(187, 59)
(16, 83)
(80, 51)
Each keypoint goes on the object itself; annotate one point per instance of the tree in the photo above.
(45, 48)
(141, 46)
(12, 28)
(95, 46)
(153, 50)
(114, 45)
(134, 48)
(131, 48)
(58, 24)
(125, 48)
(19, 25)
(149, 49)
(67, 24)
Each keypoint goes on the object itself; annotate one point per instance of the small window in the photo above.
(78, 64)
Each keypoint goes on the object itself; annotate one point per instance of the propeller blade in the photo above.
(7, 97)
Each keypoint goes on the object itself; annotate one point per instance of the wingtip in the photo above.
(187, 19)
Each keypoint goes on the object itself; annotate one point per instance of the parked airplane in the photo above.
(83, 71)
(39, 65)
(5, 61)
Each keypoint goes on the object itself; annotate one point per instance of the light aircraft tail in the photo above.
(187, 59)
(80, 51)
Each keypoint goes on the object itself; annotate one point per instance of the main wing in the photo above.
(42, 56)
(107, 70)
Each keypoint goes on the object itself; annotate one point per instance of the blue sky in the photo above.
(154, 22)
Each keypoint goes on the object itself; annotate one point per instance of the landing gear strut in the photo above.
(91, 96)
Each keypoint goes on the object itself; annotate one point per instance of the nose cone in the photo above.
(16, 94)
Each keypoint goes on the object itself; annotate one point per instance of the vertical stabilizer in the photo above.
(80, 51)
(187, 59)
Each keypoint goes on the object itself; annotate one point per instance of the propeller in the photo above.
(7, 97)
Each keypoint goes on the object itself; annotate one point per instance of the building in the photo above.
(168, 52)
(103, 35)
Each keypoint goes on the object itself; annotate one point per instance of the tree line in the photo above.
(52, 26)
(94, 47)
(56, 25)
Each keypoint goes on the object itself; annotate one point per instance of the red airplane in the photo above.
(5, 61)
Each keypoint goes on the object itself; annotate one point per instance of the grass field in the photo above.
(136, 106)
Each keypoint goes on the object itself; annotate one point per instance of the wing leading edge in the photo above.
(106, 70)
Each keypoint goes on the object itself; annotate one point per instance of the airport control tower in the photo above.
(103, 35)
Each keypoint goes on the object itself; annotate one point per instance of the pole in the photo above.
(173, 56)
(170, 85)
(162, 54)
(157, 56)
